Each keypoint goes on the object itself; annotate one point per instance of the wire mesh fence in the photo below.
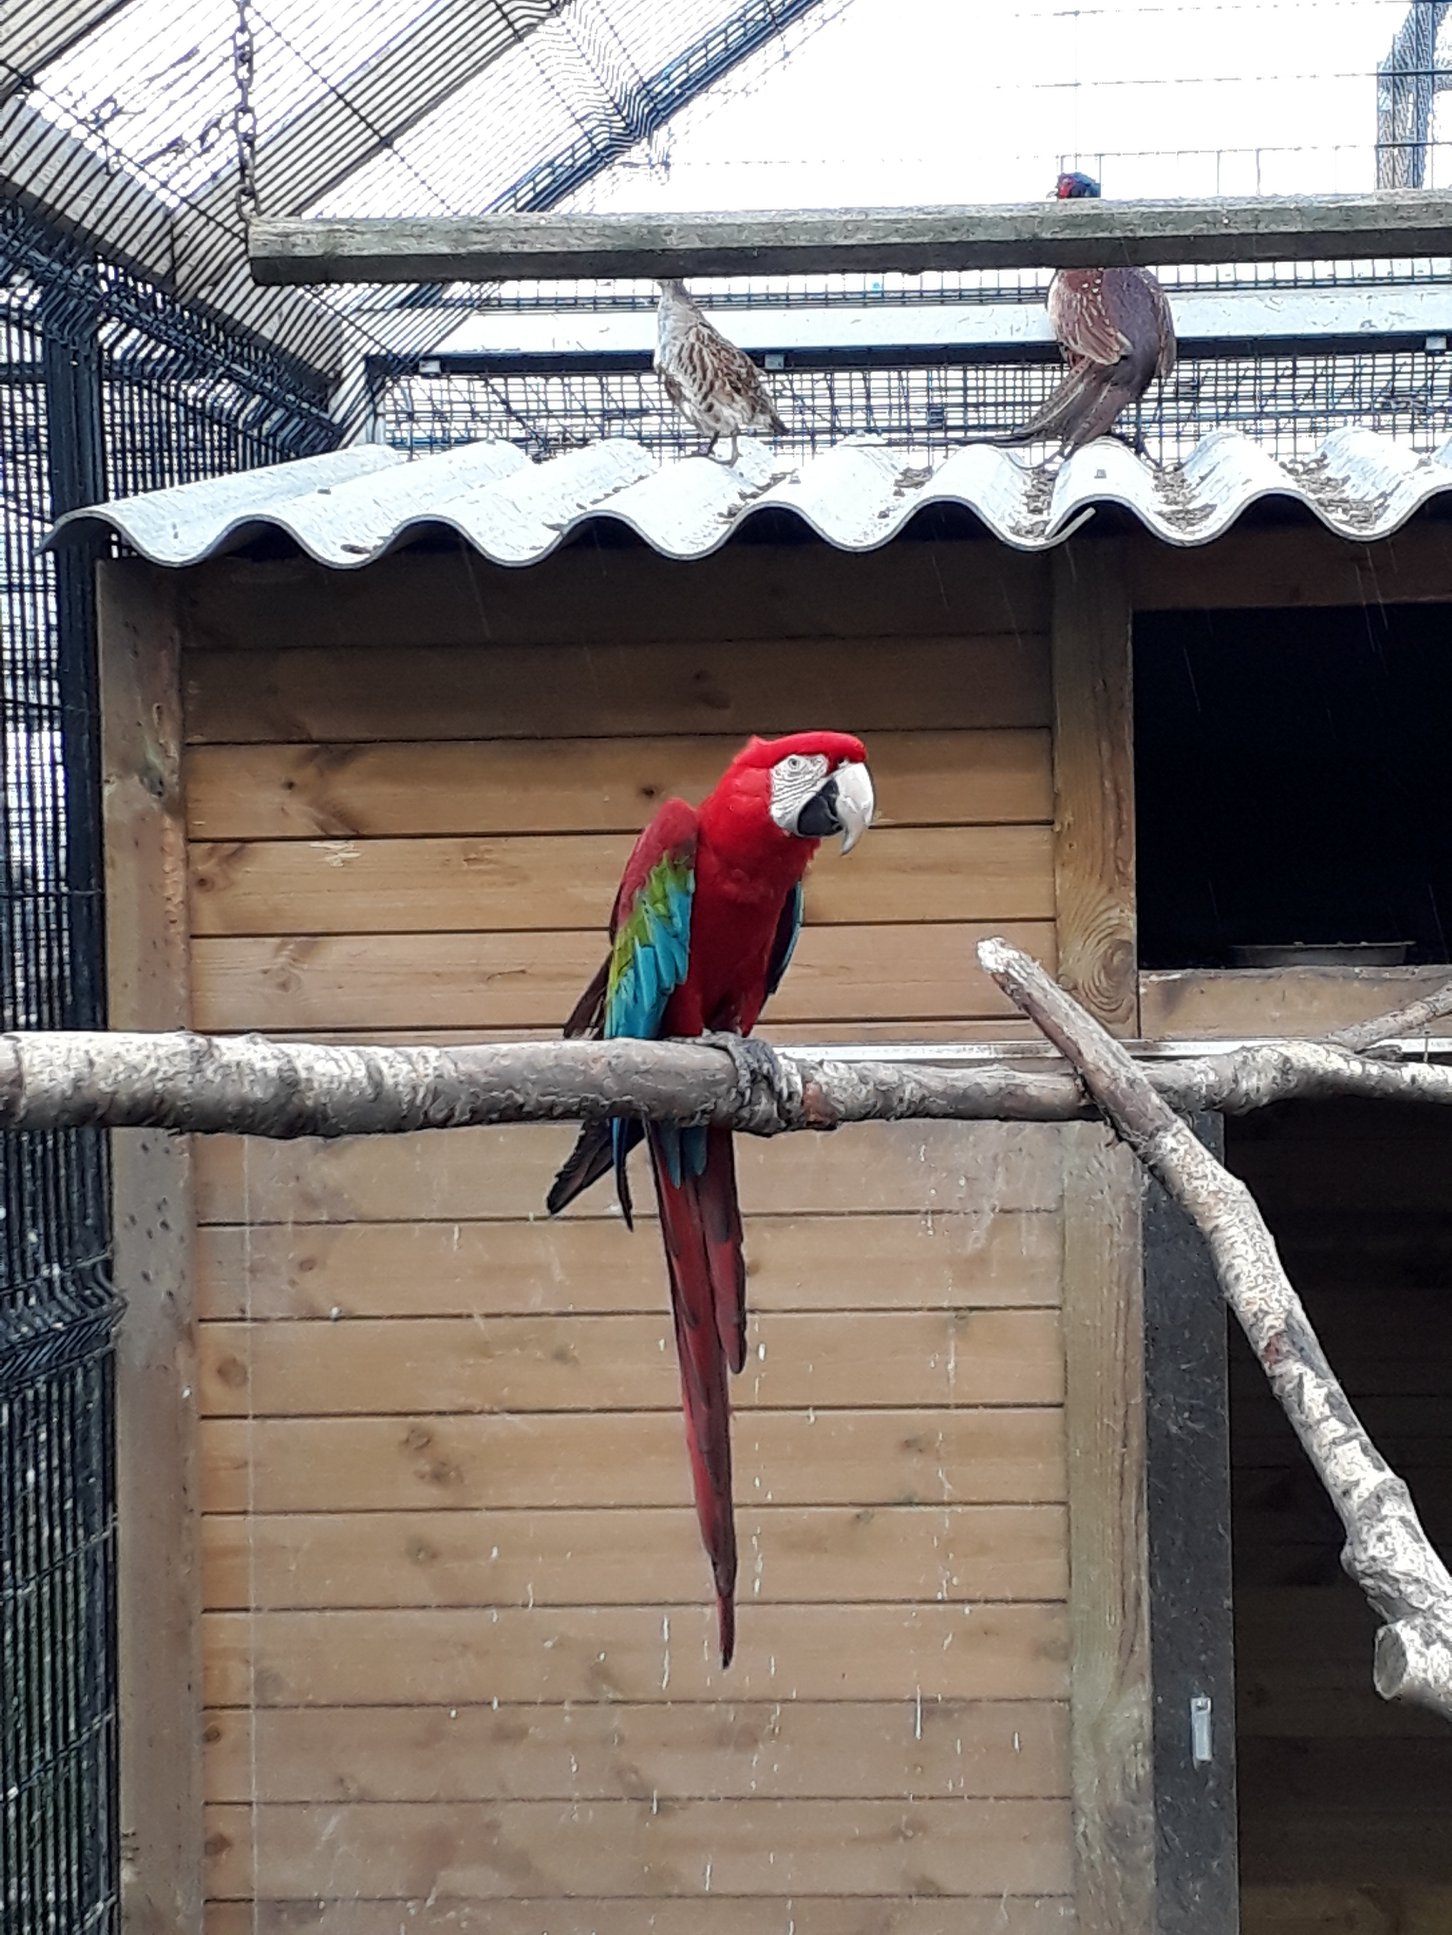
(105, 387)
(1290, 403)
(895, 290)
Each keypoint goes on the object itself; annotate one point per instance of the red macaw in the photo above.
(704, 924)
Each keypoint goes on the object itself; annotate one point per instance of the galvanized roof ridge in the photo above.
(351, 506)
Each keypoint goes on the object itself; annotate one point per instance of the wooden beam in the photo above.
(1215, 1004)
(1071, 234)
(1094, 781)
(1295, 568)
(1110, 1697)
(156, 1372)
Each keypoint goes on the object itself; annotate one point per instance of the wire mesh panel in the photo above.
(57, 1694)
(1289, 403)
(898, 289)
(105, 388)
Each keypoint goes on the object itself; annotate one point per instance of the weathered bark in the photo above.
(1387, 1552)
(246, 1085)
(252, 1086)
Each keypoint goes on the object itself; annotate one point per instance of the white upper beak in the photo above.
(855, 802)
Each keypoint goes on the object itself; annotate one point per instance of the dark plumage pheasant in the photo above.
(713, 384)
(1116, 335)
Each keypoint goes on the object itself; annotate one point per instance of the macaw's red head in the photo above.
(1073, 187)
(811, 784)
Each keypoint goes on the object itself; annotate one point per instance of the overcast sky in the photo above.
(964, 100)
(888, 101)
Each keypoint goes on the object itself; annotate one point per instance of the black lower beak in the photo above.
(818, 818)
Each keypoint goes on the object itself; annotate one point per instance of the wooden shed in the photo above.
(416, 1630)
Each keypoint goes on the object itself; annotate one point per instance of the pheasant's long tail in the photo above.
(1059, 415)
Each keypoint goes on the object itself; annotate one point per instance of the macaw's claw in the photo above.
(758, 1066)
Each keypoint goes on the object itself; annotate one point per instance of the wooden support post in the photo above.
(1149, 1555)
(1071, 234)
(1110, 1707)
(1094, 782)
(147, 948)
(1192, 1645)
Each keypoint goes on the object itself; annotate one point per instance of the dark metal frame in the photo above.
(108, 386)
(1191, 1613)
(1408, 82)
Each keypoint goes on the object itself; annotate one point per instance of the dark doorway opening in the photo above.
(1345, 1801)
(1293, 778)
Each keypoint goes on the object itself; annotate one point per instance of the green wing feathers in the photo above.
(650, 952)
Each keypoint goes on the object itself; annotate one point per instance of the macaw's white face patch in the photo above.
(794, 780)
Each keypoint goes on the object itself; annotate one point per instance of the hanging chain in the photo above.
(244, 115)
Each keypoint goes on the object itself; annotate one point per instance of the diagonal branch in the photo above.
(1386, 1552)
(1413, 1019)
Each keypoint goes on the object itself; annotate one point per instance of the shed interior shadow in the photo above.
(1344, 1798)
(1293, 780)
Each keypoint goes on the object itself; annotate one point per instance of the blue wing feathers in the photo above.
(649, 960)
(788, 932)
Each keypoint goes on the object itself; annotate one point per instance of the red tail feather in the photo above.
(701, 1224)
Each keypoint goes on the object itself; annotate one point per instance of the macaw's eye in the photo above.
(795, 764)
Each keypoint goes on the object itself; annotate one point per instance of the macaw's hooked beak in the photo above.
(843, 805)
(855, 802)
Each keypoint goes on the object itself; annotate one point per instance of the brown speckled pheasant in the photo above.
(713, 384)
(1116, 335)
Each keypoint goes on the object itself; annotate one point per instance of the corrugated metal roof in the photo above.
(353, 505)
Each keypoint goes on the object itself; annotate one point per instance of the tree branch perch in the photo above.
(1387, 1552)
(248, 1085)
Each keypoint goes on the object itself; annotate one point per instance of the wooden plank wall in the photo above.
(457, 1640)
(1344, 1799)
